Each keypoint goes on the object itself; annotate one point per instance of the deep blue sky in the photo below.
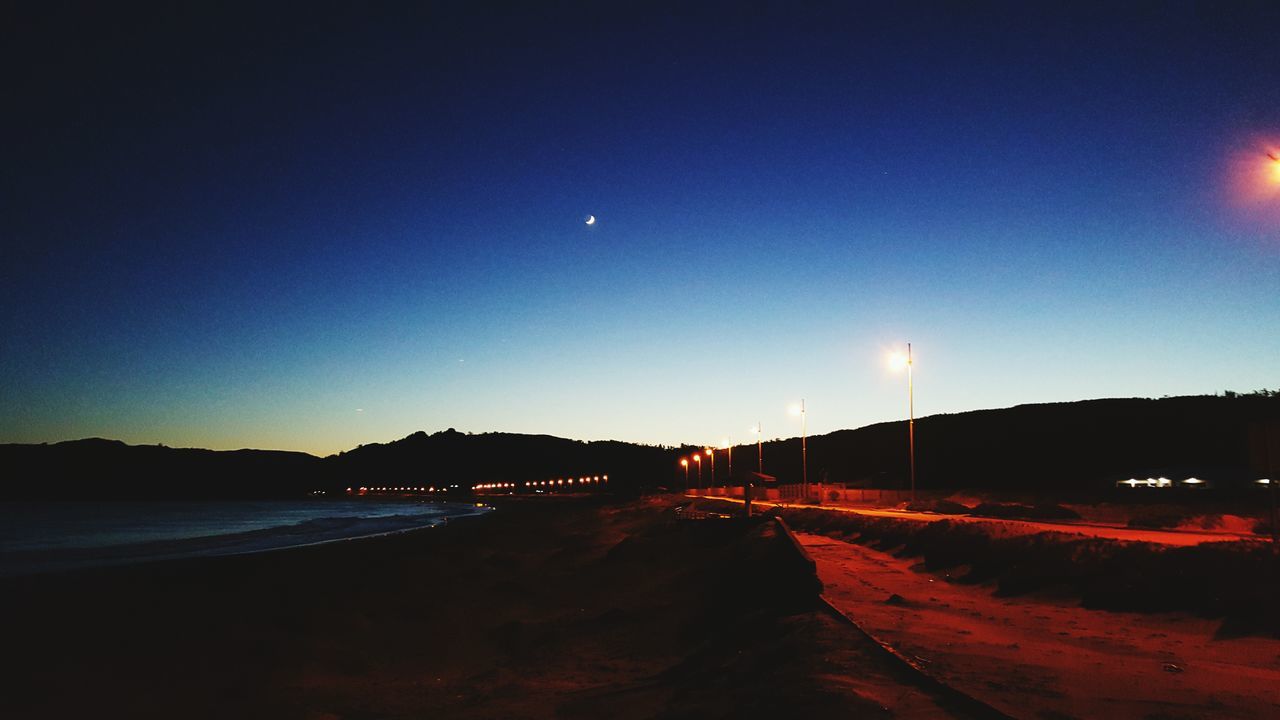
(324, 226)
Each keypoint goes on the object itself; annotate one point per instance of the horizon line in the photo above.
(1261, 392)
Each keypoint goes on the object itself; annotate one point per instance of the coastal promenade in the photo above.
(1020, 526)
(1043, 655)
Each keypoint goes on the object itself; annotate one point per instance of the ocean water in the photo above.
(38, 537)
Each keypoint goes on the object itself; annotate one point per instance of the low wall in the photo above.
(839, 493)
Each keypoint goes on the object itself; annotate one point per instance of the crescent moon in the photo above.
(591, 219)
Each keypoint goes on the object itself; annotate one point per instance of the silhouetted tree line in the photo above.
(1259, 393)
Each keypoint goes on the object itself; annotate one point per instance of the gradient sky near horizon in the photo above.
(310, 228)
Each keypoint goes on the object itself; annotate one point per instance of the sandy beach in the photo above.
(568, 608)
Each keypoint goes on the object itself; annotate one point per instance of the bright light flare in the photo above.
(795, 409)
(1252, 182)
(898, 361)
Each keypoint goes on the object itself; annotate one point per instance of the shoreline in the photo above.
(40, 562)
(572, 608)
(436, 522)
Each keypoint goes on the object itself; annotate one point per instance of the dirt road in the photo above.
(1046, 657)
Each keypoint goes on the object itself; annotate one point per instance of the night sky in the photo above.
(323, 225)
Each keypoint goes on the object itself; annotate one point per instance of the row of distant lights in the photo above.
(552, 483)
(1166, 482)
(403, 489)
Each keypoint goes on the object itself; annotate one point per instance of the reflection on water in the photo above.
(45, 536)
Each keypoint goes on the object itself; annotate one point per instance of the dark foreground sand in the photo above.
(566, 608)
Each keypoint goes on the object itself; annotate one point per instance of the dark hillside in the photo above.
(109, 469)
(1064, 446)
(1085, 444)
(465, 459)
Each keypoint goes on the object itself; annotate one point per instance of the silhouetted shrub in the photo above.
(1211, 522)
(1050, 511)
(1155, 520)
(942, 507)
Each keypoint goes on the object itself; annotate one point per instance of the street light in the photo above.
(711, 453)
(685, 463)
(1275, 167)
(759, 431)
(804, 447)
(898, 362)
(728, 444)
(698, 458)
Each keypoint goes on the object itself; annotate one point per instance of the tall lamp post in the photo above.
(728, 443)
(804, 448)
(900, 362)
(711, 453)
(698, 459)
(911, 423)
(685, 463)
(759, 431)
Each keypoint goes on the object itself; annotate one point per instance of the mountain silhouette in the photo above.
(1085, 445)
(99, 469)
(1079, 446)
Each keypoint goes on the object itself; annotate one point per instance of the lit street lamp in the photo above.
(685, 463)
(898, 361)
(711, 453)
(698, 459)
